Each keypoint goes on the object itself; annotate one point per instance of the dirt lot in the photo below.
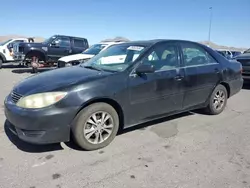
(185, 151)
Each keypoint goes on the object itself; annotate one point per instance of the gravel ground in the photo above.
(185, 151)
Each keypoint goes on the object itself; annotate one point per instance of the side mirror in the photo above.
(144, 68)
(54, 43)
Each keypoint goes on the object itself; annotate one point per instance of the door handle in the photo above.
(179, 78)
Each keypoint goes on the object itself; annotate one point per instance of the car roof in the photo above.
(154, 41)
(70, 36)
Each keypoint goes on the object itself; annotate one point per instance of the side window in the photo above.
(163, 57)
(78, 43)
(195, 55)
(63, 41)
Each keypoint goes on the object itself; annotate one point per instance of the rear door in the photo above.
(79, 45)
(202, 74)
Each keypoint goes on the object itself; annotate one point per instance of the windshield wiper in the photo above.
(92, 67)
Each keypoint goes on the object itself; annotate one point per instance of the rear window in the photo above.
(80, 43)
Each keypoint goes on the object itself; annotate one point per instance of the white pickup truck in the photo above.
(6, 49)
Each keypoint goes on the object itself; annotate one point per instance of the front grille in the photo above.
(21, 49)
(15, 48)
(15, 97)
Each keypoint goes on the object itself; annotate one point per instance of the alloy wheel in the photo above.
(98, 127)
(219, 100)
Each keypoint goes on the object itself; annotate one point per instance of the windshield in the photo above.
(3, 43)
(247, 51)
(116, 58)
(49, 40)
(95, 49)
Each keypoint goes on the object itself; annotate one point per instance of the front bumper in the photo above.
(18, 57)
(61, 64)
(39, 126)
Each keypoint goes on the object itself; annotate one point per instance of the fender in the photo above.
(34, 49)
(2, 56)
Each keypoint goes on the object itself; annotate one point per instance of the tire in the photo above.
(34, 70)
(211, 108)
(80, 127)
(1, 62)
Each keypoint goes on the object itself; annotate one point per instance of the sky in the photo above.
(134, 19)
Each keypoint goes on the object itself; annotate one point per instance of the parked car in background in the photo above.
(226, 53)
(47, 53)
(244, 59)
(94, 100)
(221, 53)
(236, 53)
(6, 49)
(76, 59)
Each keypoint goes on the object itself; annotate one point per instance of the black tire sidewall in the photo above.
(1, 63)
(34, 70)
(211, 109)
(82, 117)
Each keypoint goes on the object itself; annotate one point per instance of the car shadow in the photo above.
(155, 122)
(12, 66)
(71, 144)
(29, 70)
(32, 148)
(27, 147)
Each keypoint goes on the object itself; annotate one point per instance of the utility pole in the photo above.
(210, 23)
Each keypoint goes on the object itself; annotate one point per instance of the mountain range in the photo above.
(212, 44)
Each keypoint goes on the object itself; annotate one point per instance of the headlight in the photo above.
(41, 100)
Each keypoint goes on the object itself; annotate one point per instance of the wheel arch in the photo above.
(35, 52)
(112, 103)
(227, 86)
(2, 57)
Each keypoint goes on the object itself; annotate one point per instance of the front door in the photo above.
(202, 74)
(60, 47)
(154, 94)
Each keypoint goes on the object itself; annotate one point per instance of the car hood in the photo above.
(75, 57)
(32, 44)
(243, 56)
(57, 79)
